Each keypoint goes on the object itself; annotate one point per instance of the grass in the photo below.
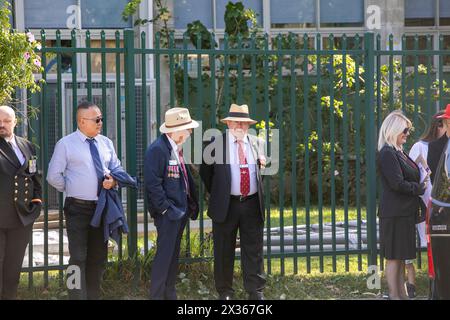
(196, 282)
(196, 279)
(326, 214)
(314, 215)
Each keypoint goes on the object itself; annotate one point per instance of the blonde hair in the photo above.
(392, 126)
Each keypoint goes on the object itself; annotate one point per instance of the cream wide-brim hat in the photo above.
(177, 119)
(239, 113)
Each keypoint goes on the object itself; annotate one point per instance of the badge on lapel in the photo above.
(32, 164)
(173, 170)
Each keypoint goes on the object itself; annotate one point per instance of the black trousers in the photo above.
(13, 243)
(87, 249)
(245, 217)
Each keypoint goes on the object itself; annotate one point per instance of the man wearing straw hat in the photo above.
(172, 198)
(237, 203)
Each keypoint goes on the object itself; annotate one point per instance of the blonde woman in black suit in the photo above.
(399, 202)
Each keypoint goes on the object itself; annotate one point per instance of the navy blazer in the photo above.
(109, 207)
(400, 183)
(165, 191)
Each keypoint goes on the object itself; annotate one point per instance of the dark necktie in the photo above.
(13, 151)
(97, 162)
(245, 172)
(183, 167)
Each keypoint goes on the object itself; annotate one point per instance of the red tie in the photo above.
(183, 167)
(245, 173)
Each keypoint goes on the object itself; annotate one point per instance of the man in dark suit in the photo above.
(233, 180)
(171, 196)
(20, 199)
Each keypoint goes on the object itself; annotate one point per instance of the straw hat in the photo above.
(177, 119)
(239, 113)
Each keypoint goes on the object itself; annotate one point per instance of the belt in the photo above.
(80, 201)
(242, 198)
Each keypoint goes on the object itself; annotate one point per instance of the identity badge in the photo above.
(32, 165)
(173, 162)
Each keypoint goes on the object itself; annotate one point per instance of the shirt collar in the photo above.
(172, 143)
(12, 140)
(82, 136)
(232, 138)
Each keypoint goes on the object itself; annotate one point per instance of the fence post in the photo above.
(370, 145)
(130, 129)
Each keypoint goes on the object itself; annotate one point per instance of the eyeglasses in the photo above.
(97, 120)
(408, 130)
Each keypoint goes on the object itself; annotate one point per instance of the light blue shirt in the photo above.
(72, 170)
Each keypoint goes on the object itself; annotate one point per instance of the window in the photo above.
(61, 14)
(446, 47)
(103, 14)
(11, 16)
(47, 14)
(341, 13)
(255, 5)
(338, 43)
(420, 13)
(96, 58)
(52, 58)
(187, 11)
(293, 13)
(444, 12)
(421, 45)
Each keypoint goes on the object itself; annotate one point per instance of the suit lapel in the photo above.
(254, 149)
(8, 153)
(226, 156)
(407, 166)
(25, 152)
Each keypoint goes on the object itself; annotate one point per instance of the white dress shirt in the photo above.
(235, 169)
(16, 149)
(174, 147)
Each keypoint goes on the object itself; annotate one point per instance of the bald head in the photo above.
(7, 122)
(8, 110)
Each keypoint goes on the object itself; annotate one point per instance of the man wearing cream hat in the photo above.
(237, 203)
(171, 196)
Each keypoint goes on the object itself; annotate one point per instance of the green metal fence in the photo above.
(327, 97)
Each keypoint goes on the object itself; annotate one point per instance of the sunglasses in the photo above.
(406, 130)
(97, 120)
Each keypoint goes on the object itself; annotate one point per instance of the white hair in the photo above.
(8, 110)
(392, 126)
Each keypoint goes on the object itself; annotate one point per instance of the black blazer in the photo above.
(217, 179)
(435, 149)
(18, 186)
(400, 182)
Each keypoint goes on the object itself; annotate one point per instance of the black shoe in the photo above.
(410, 290)
(256, 296)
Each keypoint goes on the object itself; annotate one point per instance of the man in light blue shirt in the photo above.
(80, 167)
